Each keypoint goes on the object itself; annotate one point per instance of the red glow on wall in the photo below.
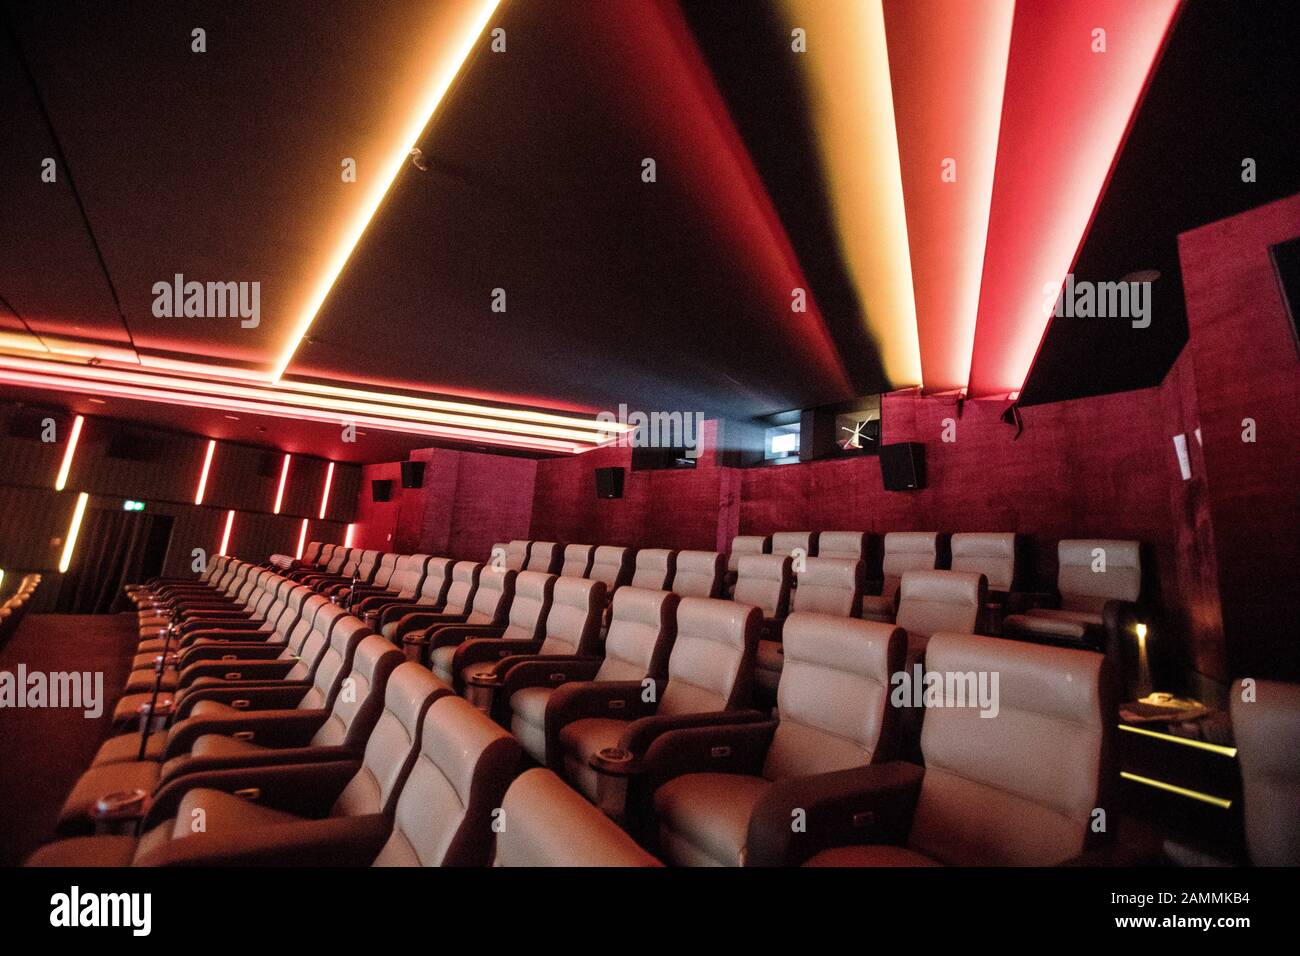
(284, 479)
(347, 537)
(325, 495)
(203, 475)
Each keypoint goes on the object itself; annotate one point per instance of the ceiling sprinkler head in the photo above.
(417, 159)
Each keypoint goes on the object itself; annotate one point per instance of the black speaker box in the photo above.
(412, 474)
(609, 482)
(902, 466)
(381, 490)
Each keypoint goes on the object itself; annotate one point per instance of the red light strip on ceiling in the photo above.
(284, 478)
(225, 535)
(325, 495)
(1065, 114)
(61, 481)
(302, 541)
(280, 403)
(203, 475)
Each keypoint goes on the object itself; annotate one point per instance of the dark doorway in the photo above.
(115, 548)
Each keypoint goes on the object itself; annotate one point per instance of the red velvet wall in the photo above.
(467, 503)
(1246, 367)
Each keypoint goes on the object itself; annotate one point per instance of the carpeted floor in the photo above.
(44, 750)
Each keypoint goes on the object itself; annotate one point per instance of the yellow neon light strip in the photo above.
(1198, 744)
(70, 542)
(62, 480)
(439, 82)
(1219, 802)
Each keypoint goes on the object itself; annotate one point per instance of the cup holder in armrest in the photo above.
(121, 805)
(614, 761)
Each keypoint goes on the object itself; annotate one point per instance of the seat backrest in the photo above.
(334, 663)
(338, 559)
(492, 597)
(830, 586)
(551, 824)
(577, 560)
(850, 545)
(393, 742)
(312, 552)
(785, 542)
(1266, 724)
(642, 627)
(444, 814)
(326, 556)
(384, 573)
(764, 581)
(573, 622)
(698, 574)
(1020, 787)
(1094, 571)
(933, 601)
(544, 556)
(436, 576)
(654, 569)
(907, 551)
(360, 697)
(992, 555)
(408, 575)
(834, 694)
(743, 544)
(464, 585)
(530, 606)
(611, 565)
(367, 565)
(313, 606)
(516, 555)
(712, 660)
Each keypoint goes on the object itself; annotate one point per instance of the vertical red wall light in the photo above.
(284, 479)
(225, 535)
(325, 495)
(203, 475)
(62, 480)
(302, 540)
(347, 537)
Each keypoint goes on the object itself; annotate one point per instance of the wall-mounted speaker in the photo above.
(412, 474)
(902, 466)
(609, 482)
(381, 489)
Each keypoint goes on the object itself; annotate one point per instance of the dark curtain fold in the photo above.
(111, 551)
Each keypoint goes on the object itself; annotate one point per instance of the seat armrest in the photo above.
(478, 650)
(453, 634)
(187, 764)
(245, 635)
(619, 699)
(270, 728)
(422, 620)
(395, 610)
(273, 695)
(544, 671)
(335, 841)
(845, 807)
(225, 649)
(246, 669)
(641, 734)
(1018, 602)
(717, 748)
(308, 790)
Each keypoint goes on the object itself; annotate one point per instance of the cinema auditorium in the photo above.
(649, 434)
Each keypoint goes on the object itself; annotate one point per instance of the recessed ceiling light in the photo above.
(233, 418)
(97, 401)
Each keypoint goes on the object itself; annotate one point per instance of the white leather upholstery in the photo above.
(1267, 730)
(992, 555)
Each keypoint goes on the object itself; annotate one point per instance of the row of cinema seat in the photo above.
(303, 736)
(15, 607)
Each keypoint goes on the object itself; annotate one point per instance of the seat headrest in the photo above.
(578, 593)
(830, 585)
(840, 643)
(1119, 554)
(642, 605)
(698, 573)
(1097, 570)
(653, 559)
(455, 736)
(932, 601)
(912, 542)
(534, 585)
(462, 571)
(769, 567)
(949, 587)
(723, 622)
(784, 542)
(993, 555)
(496, 579)
(841, 544)
(409, 688)
(577, 560)
(751, 544)
(372, 653)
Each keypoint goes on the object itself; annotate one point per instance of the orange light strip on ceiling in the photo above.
(223, 396)
(423, 108)
(325, 495)
(284, 478)
(203, 475)
(74, 528)
(846, 71)
(61, 481)
(302, 540)
(225, 535)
